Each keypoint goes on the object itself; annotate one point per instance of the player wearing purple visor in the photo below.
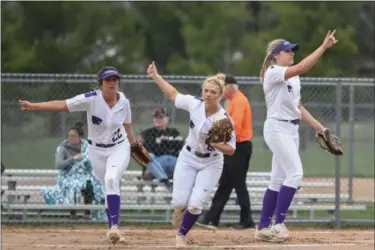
(107, 73)
(110, 135)
(285, 46)
(282, 91)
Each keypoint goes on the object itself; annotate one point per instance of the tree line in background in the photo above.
(182, 37)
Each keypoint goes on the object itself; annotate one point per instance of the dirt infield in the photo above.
(87, 238)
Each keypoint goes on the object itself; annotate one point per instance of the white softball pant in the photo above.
(194, 179)
(109, 164)
(283, 140)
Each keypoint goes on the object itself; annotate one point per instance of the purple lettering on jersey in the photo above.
(225, 114)
(199, 98)
(96, 120)
(88, 94)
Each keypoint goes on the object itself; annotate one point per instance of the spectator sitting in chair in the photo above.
(164, 145)
(74, 177)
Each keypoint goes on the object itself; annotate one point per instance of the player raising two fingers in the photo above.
(281, 85)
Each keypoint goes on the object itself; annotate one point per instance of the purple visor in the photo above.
(285, 46)
(109, 73)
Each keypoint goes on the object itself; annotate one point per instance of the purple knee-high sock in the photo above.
(113, 208)
(284, 199)
(109, 218)
(268, 208)
(187, 222)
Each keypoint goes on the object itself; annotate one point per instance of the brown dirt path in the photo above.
(93, 237)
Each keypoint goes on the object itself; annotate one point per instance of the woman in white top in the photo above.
(281, 85)
(199, 165)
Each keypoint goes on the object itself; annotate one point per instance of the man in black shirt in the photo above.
(164, 145)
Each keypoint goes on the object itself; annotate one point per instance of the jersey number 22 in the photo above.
(116, 135)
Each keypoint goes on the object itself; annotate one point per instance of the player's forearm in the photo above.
(309, 119)
(50, 106)
(130, 134)
(309, 62)
(224, 148)
(165, 87)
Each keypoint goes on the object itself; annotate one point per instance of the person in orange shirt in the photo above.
(235, 166)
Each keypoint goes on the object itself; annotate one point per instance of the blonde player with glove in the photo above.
(200, 162)
(281, 85)
(109, 134)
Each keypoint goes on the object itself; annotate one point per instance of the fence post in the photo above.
(173, 114)
(165, 102)
(351, 141)
(337, 158)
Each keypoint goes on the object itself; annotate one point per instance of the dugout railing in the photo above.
(149, 201)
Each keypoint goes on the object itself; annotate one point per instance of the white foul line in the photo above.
(77, 230)
(189, 246)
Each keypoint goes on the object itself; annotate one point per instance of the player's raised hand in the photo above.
(329, 40)
(25, 105)
(152, 71)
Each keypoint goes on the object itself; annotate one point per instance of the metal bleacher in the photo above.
(147, 201)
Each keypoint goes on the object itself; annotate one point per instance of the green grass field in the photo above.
(39, 153)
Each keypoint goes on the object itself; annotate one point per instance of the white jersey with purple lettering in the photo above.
(282, 96)
(105, 125)
(199, 124)
(109, 149)
(281, 126)
(199, 166)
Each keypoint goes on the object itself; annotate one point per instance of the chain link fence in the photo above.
(346, 105)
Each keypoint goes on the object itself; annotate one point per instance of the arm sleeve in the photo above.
(128, 115)
(184, 101)
(275, 74)
(80, 102)
(62, 162)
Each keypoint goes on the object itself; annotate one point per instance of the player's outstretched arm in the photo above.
(43, 106)
(306, 64)
(165, 86)
(224, 148)
(309, 119)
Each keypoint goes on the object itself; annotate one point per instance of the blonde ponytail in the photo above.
(266, 64)
(268, 60)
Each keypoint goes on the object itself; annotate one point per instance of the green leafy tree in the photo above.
(306, 23)
(59, 37)
(212, 32)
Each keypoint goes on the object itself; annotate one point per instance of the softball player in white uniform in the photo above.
(109, 133)
(281, 85)
(199, 166)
